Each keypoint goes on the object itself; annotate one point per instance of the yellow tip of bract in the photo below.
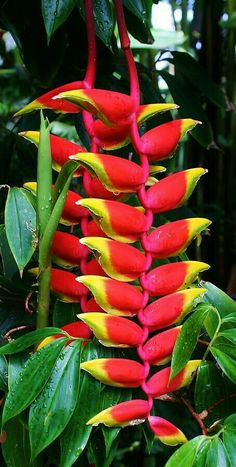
(32, 136)
(32, 186)
(149, 110)
(197, 224)
(34, 105)
(45, 341)
(33, 271)
(154, 169)
(188, 124)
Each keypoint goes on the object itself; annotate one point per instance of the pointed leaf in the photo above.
(16, 449)
(55, 13)
(187, 454)
(51, 411)
(219, 299)
(225, 356)
(20, 223)
(33, 375)
(229, 438)
(3, 373)
(217, 454)
(103, 15)
(28, 340)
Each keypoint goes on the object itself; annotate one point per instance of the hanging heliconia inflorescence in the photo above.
(120, 312)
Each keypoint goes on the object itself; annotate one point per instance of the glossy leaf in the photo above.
(51, 411)
(188, 453)
(219, 299)
(225, 356)
(138, 8)
(103, 15)
(217, 454)
(55, 13)
(187, 338)
(23, 342)
(229, 438)
(8, 263)
(20, 223)
(3, 373)
(17, 442)
(34, 374)
(76, 434)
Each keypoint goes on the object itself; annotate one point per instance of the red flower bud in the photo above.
(160, 384)
(172, 277)
(158, 349)
(119, 372)
(113, 331)
(119, 260)
(67, 250)
(93, 267)
(166, 432)
(114, 296)
(169, 310)
(123, 414)
(172, 191)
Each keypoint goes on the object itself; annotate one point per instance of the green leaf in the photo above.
(229, 434)
(20, 223)
(3, 373)
(51, 411)
(76, 434)
(55, 13)
(65, 313)
(188, 98)
(28, 340)
(33, 376)
(8, 262)
(230, 22)
(219, 299)
(103, 16)
(212, 386)
(190, 68)
(138, 8)
(188, 453)
(225, 356)
(217, 455)
(229, 334)
(16, 449)
(187, 339)
(138, 28)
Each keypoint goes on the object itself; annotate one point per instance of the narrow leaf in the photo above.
(55, 13)
(28, 340)
(217, 454)
(33, 375)
(51, 411)
(20, 223)
(16, 449)
(226, 362)
(103, 15)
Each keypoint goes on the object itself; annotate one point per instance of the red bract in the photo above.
(61, 149)
(67, 250)
(119, 372)
(159, 348)
(166, 432)
(123, 414)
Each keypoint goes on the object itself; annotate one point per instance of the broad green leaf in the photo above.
(109, 434)
(217, 455)
(148, 435)
(76, 434)
(16, 449)
(28, 340)
(55, 13)
(229, 435)
(229, 334)
(212, 322)
(190, 68)
(34, 375)
(138, 8)
(188, 98)
(20, 223)
(103, 15)
(51, 411)
(3, 373)
(187, 339)
(226, 361)
(139, 28)
(212, 386)
(65, 313)
(8, 262)
(16, 363)
(188, 453)
(225, 305)
(97, 450)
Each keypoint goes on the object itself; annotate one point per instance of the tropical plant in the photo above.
(116, 332)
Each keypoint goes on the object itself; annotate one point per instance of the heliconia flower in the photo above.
(67, 250)
(113, 108)
(93, 267)
(114, 296)
(115, 173)
(126, 413)
(172, 277)
(161, 142)
(119, 372)
(46, 101)
(77, 329)
(159, 384)
(94, 230)
(64, 284)
(61, 149)
(72, 212)
(158, 349)
(170, 309)
(95, 189)
(166, 432)
(113, 331)
(91, 306)
(172, 191)
(119, 260)
(118, 220)
(115, 138)
(173, 238)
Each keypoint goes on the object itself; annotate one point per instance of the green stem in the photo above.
(44, 296)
